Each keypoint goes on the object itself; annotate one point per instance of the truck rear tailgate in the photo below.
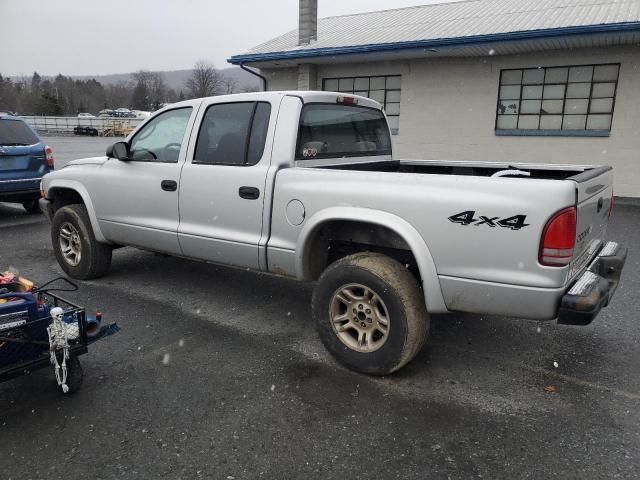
(594, 190)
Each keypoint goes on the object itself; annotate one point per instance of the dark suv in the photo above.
(24, 159)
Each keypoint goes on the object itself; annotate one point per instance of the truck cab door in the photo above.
(222, 192)
(136, 200)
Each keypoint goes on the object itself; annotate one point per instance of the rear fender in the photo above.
(430, 283)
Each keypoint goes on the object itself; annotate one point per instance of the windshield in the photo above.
(16, 133)
(335, 131)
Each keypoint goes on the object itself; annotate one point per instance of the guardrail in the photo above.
(103, 126)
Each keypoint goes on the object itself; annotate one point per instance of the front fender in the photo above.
(51, 184)
(431, 285)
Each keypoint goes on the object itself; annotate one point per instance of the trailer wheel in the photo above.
(75, 374)
(75, 246)
(370, 313)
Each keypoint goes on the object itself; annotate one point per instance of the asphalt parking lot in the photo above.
(218, 373)
(67, 148)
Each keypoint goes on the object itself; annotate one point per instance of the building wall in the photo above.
(282, 79)
(449, 105)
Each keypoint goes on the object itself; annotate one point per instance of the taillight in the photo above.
(49, 153)
(610, 207)
(559, 238)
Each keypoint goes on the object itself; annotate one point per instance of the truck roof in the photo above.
(307, 96)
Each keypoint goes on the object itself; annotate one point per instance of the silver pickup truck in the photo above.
(304, 184)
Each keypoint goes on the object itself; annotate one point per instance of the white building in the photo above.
(518, 80)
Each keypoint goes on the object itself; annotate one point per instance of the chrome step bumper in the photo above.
(593, 290)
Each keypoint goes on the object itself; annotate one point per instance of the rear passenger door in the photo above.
(222, 185)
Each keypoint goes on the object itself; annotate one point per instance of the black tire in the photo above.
(95, 257)
(32, 206)
(75, 374)
(402, 297)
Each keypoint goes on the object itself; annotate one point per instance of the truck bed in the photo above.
(476, 169)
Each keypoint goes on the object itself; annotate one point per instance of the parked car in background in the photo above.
(141, 114)
(24, 159)
(82, 130)
(128, 114)
(120, 113)
(86, 115)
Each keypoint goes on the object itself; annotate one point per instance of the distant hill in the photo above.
(176, 79)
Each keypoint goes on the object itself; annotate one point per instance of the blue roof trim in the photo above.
(442, 42)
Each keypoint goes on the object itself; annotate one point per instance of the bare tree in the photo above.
(150, 90)
(205, 80)
(228, 85)
(248, 88)
(158, 90)
(119, 94)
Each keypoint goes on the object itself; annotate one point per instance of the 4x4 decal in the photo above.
(468, 218)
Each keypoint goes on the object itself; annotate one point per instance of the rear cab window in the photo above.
(338, 131)
(16, 133)
(233, 134)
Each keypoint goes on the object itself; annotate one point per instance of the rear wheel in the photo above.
(370, 313)
(32, 206)
(75, 246)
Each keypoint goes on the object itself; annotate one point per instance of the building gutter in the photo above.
(253, 72)
(540, 34)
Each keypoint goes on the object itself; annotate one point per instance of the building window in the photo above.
(575, 100)
(383, 89)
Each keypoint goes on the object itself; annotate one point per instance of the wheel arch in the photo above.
(59, 188)
(416, 244)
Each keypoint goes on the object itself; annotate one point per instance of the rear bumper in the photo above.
(19, 189)
(19, 196)
(594, 288)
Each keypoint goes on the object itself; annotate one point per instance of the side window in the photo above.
(160, 140)
(233, 134)
(258, 133)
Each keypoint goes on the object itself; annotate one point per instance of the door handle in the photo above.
(169, 185)
(250, 193)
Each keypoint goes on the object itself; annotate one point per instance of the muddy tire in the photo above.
(75, 246)
(370, 313)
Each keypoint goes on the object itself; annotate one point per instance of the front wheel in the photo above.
(369, 311)
(75, 246)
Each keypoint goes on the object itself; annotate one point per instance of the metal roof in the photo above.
(466, 23)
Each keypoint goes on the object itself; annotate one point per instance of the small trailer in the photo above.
(39, 328)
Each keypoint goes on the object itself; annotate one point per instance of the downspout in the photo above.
(253, 72)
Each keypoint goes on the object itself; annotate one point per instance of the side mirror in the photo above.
(119, 150)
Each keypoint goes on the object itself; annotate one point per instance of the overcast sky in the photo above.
(93, 37)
